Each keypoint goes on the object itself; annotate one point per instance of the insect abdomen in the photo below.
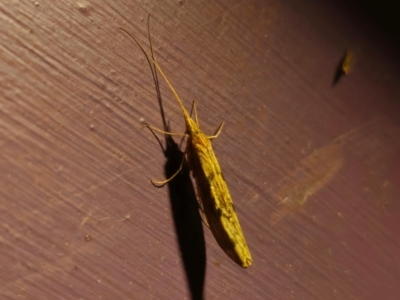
(216, 202)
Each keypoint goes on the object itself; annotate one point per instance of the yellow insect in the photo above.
(347, 62)
(344, 67)
(213, 192)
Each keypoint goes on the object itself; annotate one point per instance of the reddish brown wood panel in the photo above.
(313, 168)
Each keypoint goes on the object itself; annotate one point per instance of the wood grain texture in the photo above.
(313, 169)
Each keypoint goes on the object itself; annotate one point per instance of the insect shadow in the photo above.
(184, 205)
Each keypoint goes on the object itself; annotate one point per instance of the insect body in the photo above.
(346, 62)
(344, 67)
(216, 200)
(213, 193)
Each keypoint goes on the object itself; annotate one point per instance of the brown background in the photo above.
(314, 169)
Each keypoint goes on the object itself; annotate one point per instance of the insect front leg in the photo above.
(194, 108)
(163, 131)
(217, 132)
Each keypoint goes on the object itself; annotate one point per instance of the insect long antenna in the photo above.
(154, 61)
(156, 82)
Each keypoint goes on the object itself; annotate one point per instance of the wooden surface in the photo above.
(313, 168)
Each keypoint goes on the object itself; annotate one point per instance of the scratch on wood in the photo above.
(312, 174)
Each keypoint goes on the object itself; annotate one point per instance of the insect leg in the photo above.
(203, 214)
(157, 183)
(217, 132)
(162, 131)
(158, 140)
(194, 108)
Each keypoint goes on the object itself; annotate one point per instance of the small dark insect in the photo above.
(344, 66)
